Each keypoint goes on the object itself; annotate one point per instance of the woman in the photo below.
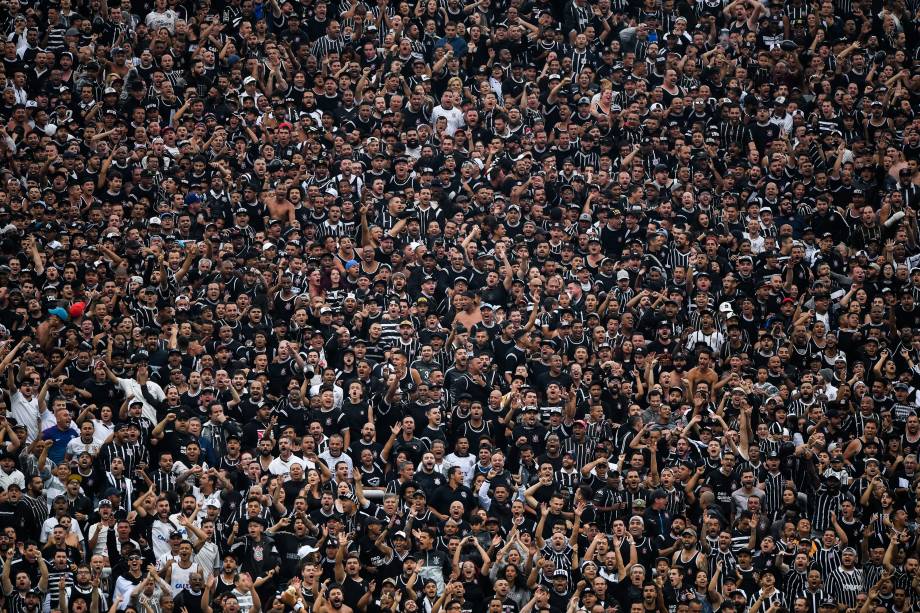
(334, 288)
(474, 590)
(313, 492)
(315, 284)
(602, 101)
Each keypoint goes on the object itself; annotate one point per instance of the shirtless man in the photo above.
(468, 312)
(702, 372)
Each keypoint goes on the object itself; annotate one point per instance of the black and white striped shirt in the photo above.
(125, 486)
(39, 507)
(773, 486)
(325, 45)
(872, 573)
(54, 580)
(845, 585)
(827, 560)
(16, 602)
(910, 194)
(824, 504)
(776, 598)
(676, 501)
(113, 450)
(676, 259)
(165, 482)
(737, 133)
(581, 452)
(561, 559)
(794, 582)
(813, 598)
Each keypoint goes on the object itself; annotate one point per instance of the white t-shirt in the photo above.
(160, 532)
(14, 477)
(123, 589)
(331, 461)
(49, 525)
(102, 431)
(453, 115)
(133, 388)
(166, 19)
(76, 446)
(465, 463)
(26, 413)
(338, 395)
(279, 466)
(207, 557)
(102, 531)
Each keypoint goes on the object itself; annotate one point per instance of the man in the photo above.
(461, 458)
(85, 588)
(256, 550)
(24, 405)
(23, 596)
(436, 564)
(742, 495)
(282, 464)
(293, 545)
(335, 453)
(189, 598)
(60, 435)
(86, 441)
(9, 473)
(127, 582)
(178, 572)
(446, 109)
(132, 388)
(15, 513)
(846, 581)
(348, 573)
(162, 529)
(454, 491)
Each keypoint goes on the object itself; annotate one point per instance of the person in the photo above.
(316, 306)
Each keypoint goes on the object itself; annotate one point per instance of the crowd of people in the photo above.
(455, 306)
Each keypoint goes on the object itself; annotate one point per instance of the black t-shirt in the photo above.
(188, 601)
(353, 591)
(288, 545)
(443, 497)
(722, 486)
(175, 442)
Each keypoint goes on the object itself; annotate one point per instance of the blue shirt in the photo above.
(60, 438)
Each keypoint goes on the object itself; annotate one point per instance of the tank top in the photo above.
(179, 579)
(690, 566)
